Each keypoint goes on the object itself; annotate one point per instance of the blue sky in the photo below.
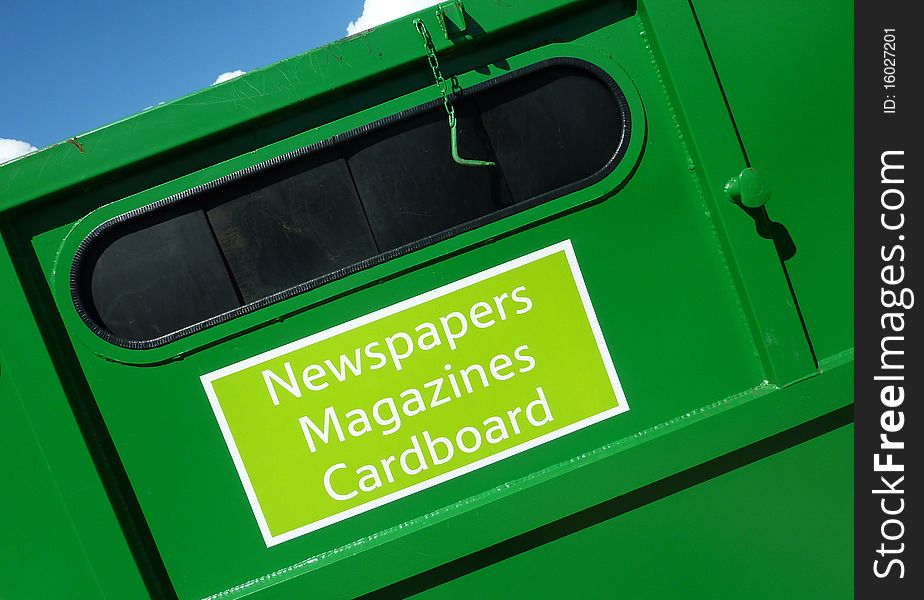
(74, 65)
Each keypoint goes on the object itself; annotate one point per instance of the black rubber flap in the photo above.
(300, 220)
(148, 279)
(410, 186)
(290, 224)
(551, 128)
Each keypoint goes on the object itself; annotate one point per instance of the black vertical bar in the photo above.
(889, 227)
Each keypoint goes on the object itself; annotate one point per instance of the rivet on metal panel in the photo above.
(748, 189)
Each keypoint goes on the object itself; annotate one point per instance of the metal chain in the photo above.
(435, 67)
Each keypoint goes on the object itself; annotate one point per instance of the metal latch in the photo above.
(748, 189)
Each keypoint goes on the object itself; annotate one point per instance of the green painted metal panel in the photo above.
(738, 535)
(701, 117)
(31, 491)
(58, 515)
(694, 305)
(787, 72)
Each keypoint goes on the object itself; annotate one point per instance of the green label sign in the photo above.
(415, 394)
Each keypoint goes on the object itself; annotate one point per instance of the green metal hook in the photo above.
(445, 93)
(454, 136)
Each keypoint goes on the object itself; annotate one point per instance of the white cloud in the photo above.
(376, 12)
(10, 149)
(226, 76)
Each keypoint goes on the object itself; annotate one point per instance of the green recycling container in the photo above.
(532, 298)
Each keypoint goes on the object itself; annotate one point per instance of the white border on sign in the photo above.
(272, 540)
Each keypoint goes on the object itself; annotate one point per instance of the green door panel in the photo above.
(787, 70)
(701, 117)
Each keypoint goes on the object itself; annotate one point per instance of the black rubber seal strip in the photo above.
(608, 168)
